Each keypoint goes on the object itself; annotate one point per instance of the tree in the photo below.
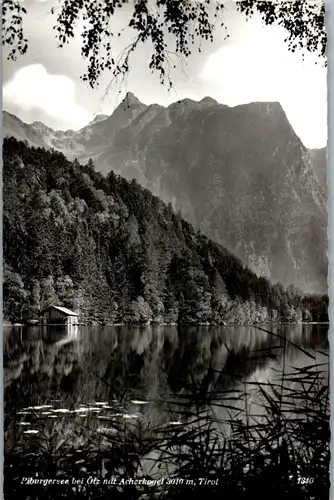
(35, 297)
(183, 23)
(220, 298)
(14, 293)
(48, 295)
(90, 165)
(138, 312)
(64, 289)
(150, 275)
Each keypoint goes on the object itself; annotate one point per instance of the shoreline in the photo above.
(190, 325)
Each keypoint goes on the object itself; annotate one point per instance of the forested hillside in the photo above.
(112, 251)
(239, 174)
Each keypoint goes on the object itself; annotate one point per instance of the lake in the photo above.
(80, 388)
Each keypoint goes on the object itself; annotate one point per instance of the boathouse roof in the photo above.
(64, 310)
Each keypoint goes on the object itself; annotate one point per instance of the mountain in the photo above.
(112, 251)
(319, 161)
(33, 135)
(98, 118)
(240, 175)
(37, 134)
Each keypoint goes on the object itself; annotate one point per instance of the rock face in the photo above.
(98, 118)
(241, 175)
(319, 161)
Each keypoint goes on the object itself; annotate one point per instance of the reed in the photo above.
(268, 439)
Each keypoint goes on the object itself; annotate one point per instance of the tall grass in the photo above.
(263, 439)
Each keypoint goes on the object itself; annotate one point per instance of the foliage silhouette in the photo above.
(172, 28)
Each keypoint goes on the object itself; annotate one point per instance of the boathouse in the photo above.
(58, 315)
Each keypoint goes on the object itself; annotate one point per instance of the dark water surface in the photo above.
(169, 405)
(141, 372)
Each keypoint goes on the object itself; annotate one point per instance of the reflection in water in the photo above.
(78, 366)
(73, 392)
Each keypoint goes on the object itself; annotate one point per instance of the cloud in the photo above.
(259, 67)
(33, 87)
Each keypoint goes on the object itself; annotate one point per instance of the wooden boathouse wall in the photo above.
(56, 315)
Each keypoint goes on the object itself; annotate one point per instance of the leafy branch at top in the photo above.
(12, 28)
(170, 26)
(303, 20)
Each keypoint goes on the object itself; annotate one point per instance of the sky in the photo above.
(253, 64)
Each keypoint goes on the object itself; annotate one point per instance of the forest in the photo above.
(115, 253)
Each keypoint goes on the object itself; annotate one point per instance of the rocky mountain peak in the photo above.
(131, 100)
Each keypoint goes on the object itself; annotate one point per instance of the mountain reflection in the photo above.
(84, 364)
(82, 384)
